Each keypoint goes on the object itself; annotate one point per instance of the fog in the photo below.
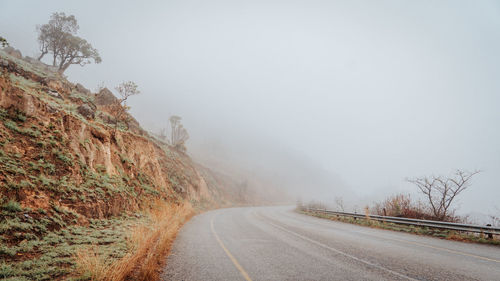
(320, 98)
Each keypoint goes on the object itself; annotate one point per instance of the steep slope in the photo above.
(69, 178)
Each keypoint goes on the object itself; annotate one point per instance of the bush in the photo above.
(12, 206)
(401, 205)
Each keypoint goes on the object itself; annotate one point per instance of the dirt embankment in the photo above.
(69, 177)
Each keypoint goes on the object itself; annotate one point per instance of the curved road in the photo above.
(275, 243)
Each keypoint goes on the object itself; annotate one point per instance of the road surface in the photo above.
(275, 243)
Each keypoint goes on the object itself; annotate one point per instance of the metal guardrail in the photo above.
(489, 230)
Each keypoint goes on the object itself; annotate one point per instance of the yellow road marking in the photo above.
(233, 259)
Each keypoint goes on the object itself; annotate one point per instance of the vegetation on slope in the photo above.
(76, 187)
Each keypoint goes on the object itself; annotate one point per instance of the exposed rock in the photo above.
(13, 52)
(86, 111)
(105, 97)
(55, 94)
(57, 85)
(99, 133)
(80, 88)
(8, 49)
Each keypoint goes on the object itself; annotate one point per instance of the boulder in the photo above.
(13, 52)
(86, 111)
(81, 89)
(57, 85)
(55, 94)
(105, 97)
(8, 49)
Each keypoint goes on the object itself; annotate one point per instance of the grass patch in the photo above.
(55, 251)
(12, 206)
(149, 242)
(25, 131)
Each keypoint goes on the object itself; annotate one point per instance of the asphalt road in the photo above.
(275, 243)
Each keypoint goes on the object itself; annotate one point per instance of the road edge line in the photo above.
(341, 252)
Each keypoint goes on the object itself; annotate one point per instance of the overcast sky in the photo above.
(369, 92)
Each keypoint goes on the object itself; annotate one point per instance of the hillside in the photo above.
(70, 181)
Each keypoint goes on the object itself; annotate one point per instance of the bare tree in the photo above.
(339, 201)
(58, 37)
(495, 218)
(119, 108)
(163, 134)
(178, 134)
(441, 191)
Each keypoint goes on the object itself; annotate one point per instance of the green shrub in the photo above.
(62, 156)
(11, 125)
(3, 113)
(21, 117)
(12, 206)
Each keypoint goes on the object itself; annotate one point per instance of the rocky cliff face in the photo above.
(55, 154)
(71, 180)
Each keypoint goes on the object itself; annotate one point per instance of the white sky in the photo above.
(370, 91)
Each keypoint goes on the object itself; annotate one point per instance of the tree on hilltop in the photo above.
(58, 37)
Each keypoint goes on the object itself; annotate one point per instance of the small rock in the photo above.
(55, 94)
(86, 111)
(27, 216)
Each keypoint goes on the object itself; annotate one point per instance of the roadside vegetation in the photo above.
(419, 230)
(439, 193)
(148, 243)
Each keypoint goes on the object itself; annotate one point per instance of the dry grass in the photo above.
(150, 243)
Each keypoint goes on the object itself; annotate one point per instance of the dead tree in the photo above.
(119, 109)
(178, 134)
(441, 191)
(495, 218)
(339, 201)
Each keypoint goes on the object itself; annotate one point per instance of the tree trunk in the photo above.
(41, 55)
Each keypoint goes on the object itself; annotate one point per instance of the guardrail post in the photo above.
(490, 235)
